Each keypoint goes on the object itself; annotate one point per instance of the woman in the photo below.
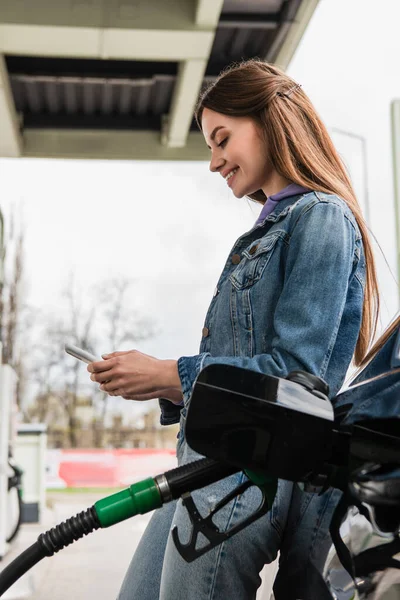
(298, 291)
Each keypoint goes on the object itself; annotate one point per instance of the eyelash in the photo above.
(222, 144)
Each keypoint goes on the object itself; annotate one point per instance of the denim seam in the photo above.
(303, 212)
(251, 347)
(358, 410)
(331, 202)
(182, 375)
(279, 234)
(350, 217)
(274, 218)
(254, 276)
(356, 275)
(236, 504)
(233, 311)
(332, 341)
(303, 512)
(275, 525)
(319, 521)
(201, 361)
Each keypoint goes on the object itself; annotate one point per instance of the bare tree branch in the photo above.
(58, 376)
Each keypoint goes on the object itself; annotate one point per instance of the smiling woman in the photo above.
(298, 291)
(240, 154)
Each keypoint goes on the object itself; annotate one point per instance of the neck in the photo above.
(275, 184)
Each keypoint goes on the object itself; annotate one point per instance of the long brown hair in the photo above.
(381, 341)
(300, 150)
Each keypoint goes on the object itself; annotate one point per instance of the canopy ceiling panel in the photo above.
(133, 66)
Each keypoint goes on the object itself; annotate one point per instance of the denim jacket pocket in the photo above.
(254, 260)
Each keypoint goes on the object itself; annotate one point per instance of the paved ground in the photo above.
(93, 567)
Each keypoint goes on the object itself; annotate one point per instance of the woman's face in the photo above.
(239, 154)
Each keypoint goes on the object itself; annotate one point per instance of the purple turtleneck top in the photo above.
(290, 190)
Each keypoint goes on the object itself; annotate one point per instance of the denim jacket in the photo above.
(379, 396)
(289, 297)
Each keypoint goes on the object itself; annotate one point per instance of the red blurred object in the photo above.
(112, 468)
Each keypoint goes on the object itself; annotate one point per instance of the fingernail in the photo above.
(104, 356)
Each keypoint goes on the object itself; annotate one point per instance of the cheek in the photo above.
(255, 155)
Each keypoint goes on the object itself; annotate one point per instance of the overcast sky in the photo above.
(170, 225)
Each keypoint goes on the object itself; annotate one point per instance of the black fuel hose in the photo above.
(14, 483)
(141, 497)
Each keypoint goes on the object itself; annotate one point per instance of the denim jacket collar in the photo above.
(283, 208)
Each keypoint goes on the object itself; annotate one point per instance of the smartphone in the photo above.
(80, 354)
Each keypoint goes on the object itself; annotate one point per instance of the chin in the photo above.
(239, 192)
(252, 189)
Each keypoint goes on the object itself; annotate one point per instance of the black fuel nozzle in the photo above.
(315, 385)
(281, 427)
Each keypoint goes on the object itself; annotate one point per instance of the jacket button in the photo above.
(236, 259)
(253, 249)
(206, 332)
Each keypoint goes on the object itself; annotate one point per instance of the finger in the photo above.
(102, 377)
(111, 386)
(99, 366)
(119, 392)
(138, 397)
(113, 354)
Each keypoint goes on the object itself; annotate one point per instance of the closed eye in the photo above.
(223, 143)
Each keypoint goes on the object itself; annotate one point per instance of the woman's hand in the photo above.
(136, 376)
(172, 394)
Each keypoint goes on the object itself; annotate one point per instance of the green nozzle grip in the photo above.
(268, 484)
(138, 499)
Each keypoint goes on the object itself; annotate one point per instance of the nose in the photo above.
(216, 163)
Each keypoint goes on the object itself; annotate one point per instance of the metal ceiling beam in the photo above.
(176, 32)
(156, 45)
(85, 42)
(10, 136)
(290, 34)
(190, 78)
(87, 67)
(119, 14)
(177, 124)
(111, 145)
(208, 13)
(248, 21)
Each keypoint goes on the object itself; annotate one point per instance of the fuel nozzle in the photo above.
(283, 427)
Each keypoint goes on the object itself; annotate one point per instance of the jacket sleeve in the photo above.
(318, 268)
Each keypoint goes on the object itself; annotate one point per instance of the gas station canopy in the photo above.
(119, 79)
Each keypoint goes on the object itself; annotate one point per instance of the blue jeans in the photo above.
(297, 525)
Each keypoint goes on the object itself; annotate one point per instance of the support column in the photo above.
(10, 136)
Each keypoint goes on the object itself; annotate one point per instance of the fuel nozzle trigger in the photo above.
(206, 526)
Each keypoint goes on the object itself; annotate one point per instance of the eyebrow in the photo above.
(214, 133)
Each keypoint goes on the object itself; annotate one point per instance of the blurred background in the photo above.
(114, 231)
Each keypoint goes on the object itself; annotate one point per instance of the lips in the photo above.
(227, 172)
(230, 180)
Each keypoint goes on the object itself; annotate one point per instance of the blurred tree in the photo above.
(13, 311)
(122, 326)
(58, 375)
